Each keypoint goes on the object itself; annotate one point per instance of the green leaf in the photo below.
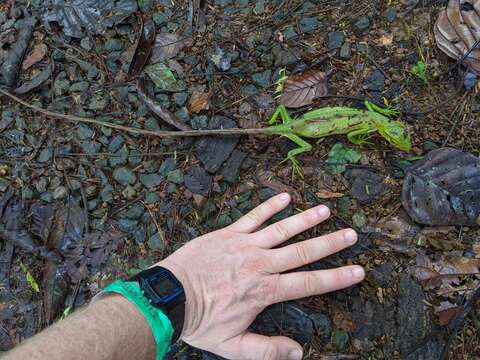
(340, 155)
(163, 77)
(30, 279)
(420, 69)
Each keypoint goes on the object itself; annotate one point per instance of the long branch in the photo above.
(161, 134)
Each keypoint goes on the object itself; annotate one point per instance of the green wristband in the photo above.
(161, 326)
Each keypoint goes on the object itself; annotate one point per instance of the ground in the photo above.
(71, 184)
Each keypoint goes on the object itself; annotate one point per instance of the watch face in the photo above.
(163, 286)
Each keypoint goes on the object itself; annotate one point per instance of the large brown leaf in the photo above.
(444, 189)
(301, 89)
(458, 29)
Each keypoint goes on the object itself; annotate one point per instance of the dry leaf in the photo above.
(445, 312)
(167, 46)
(301, 89)
(199, 101)
(385, 40)
(445, 272)
(326, 194)
(457, 30)
(36, 55)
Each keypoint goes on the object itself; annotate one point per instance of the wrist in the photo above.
(135, 327)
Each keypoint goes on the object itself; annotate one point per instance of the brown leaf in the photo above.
(143, 48)
(36, 55)
(446, 271)
(445, 312)
(457, 30)
(199, 101)
(167, 46)
(301, 89)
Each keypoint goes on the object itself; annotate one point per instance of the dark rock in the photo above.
(346, 51)
(127, 225)
(119, 158)
(375, 81)
(135, 211)
(263, 79)
(231, 169)
(285, 56)
(90, 147)
(84, 132)
(259, 7)
(175, 176)
(289, 32)
(150, 180)
(341, 339)
(124, 176)
(213, 151)
(152, 198)
(287, 319)
(335, 39)
(363, 23)
(116, 143)
(308, 24)
(198, 181)
(390, 14)
(366, 185)
(199, 122)
(156, 242)
(180, 98)
(469, 80)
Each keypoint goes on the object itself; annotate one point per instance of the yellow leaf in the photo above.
(30, 279)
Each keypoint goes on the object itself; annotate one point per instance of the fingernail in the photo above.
(284, 197)
(295, 354)
(350, 236)
(323, 211)
(358, 272)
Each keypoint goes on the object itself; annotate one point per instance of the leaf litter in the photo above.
(370, 185)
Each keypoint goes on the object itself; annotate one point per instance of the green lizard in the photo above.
(357, 125)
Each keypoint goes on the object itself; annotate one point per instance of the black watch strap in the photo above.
(175, 310)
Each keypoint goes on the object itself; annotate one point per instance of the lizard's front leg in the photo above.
(283, 113)
(359, 136)
(292, 154)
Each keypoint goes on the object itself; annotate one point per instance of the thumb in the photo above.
(249, 346)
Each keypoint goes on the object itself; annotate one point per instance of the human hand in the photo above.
(232, 274)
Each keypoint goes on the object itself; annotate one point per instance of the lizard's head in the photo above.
(395, 133)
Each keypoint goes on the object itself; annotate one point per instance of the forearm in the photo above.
(110, 329)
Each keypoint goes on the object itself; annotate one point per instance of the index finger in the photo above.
(281, 231)
(255, 218)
